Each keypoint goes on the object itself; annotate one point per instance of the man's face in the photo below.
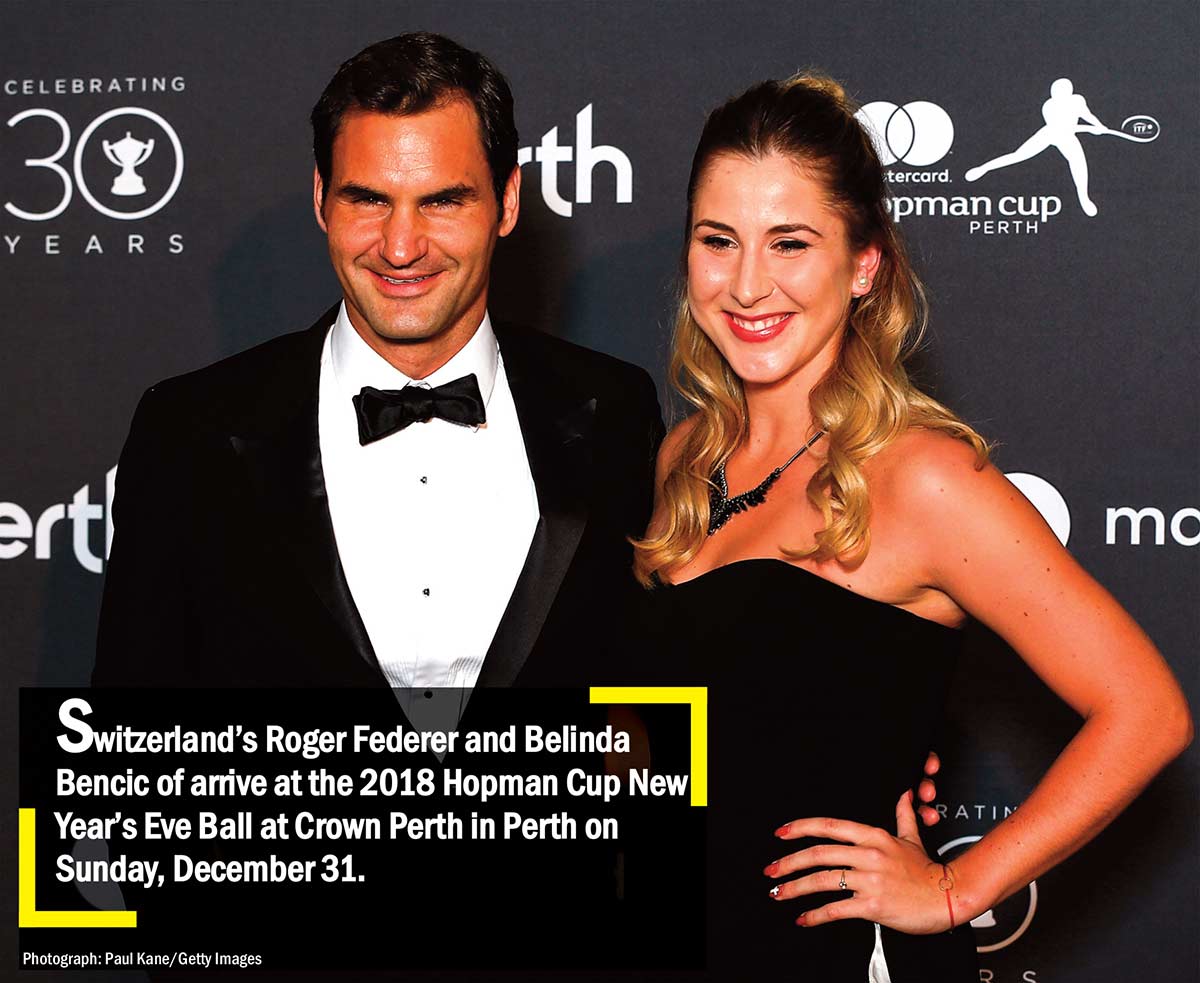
(412, 220)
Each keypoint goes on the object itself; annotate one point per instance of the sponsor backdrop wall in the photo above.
(155, 183)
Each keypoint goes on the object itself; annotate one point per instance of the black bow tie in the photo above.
(384, 411)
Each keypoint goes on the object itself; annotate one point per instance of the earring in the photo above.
(862, 280)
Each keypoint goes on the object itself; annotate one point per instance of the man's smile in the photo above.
(415, 279)
(408, 286)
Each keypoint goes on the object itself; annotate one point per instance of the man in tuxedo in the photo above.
(405, 494)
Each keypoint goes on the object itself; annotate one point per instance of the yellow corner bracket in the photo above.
(28, 915)
(696, 697)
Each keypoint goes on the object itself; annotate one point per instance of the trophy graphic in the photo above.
(128, 153)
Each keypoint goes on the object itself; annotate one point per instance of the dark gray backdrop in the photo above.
(1071, 341)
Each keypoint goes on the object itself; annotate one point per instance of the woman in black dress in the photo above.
(823, 530)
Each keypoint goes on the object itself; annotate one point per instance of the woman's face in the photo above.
(770, 269)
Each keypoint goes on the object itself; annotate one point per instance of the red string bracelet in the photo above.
(945, 884)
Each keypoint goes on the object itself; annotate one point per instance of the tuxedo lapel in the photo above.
(279, 445)
(556, 425)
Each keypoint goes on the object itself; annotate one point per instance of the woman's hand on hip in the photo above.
(891, 878)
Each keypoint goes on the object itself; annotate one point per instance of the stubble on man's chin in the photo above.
(418, 355)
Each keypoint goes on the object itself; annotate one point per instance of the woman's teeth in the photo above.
(762, 325)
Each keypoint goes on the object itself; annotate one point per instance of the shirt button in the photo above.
(429, 694)
(425, 591)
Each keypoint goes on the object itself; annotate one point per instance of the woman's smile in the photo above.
(761, 328)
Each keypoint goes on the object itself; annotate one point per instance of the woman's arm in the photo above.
(989, 549)
(978, 540)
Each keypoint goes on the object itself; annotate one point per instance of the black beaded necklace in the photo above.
(722, 508)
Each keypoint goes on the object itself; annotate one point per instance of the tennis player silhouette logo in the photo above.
(1063, 113)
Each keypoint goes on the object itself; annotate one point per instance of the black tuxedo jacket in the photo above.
(224, 570)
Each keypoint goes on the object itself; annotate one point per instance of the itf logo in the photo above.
(586, 156)
(918, 133)
(1065, 115)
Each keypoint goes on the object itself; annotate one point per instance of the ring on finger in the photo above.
(842, 881)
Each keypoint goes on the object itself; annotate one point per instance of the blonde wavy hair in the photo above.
(866, 400)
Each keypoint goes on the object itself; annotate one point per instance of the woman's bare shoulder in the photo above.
(929, 489)
(924, 467)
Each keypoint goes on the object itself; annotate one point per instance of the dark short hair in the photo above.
(410, 74)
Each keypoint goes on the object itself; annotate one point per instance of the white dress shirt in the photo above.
(432, 523)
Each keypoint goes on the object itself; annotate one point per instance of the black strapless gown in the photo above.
(822, 702)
